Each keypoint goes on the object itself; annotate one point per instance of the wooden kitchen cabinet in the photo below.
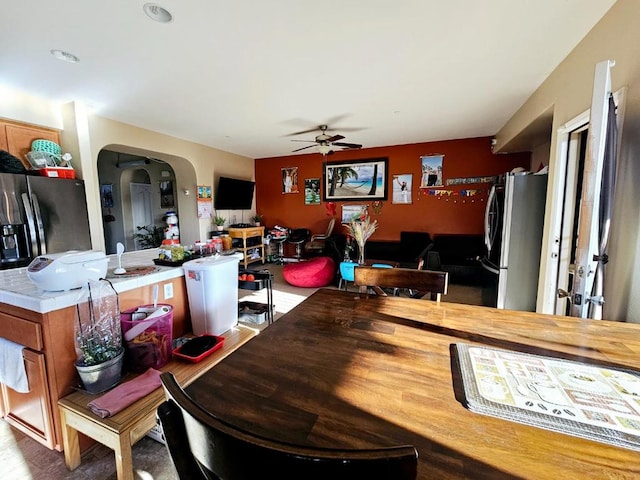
(16, 139)
(31, 412)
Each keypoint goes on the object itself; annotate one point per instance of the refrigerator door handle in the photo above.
(487, 224)
(38, 216)
(487, 265)
(31, 224)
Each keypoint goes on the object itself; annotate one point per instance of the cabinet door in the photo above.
(31, 412)
(3, 137)
(19, 138)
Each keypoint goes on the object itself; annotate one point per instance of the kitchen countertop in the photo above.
(18, 290)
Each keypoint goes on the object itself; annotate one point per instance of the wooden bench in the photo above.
(124, 429)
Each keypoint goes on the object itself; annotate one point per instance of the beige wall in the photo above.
(568, 92)
(85, 134)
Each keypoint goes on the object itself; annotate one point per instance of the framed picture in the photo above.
(106, 192)
(431, 171)
(401, 190)
(356, 180)
(289, 180)
(166, 194)
(312, 191)
(352, 212)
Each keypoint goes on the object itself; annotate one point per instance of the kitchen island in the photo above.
(44, 323)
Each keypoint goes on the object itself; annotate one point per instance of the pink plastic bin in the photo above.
(152, 347)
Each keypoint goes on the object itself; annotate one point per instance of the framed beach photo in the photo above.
(356, 180)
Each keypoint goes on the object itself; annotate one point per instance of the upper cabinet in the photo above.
(17, 138)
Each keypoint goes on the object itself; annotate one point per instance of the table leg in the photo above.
(124, 458)
(71, 444)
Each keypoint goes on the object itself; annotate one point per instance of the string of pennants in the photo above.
(454, 193)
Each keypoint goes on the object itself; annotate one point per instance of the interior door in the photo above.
(576, 148)
(141, 207)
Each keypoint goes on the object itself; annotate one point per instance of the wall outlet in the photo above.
(168, 291)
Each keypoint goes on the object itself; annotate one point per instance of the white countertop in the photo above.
(18, 290)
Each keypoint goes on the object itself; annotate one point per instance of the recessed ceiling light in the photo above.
(157, 13)
(65, 56)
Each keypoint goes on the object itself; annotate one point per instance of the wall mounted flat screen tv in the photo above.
(234, 194)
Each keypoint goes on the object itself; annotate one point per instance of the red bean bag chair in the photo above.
(317, 272)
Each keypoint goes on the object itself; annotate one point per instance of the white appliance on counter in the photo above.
(514, 221)
(67, 270)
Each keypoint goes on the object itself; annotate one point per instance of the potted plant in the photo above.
(256, 219)
(98, 337)
(219, 222)
(149, 236)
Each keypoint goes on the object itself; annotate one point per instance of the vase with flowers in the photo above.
(360, 229)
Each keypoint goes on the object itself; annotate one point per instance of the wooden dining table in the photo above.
(346, 371)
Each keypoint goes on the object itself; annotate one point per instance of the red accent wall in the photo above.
(433, 214)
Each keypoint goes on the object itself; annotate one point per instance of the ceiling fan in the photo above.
(325, 143)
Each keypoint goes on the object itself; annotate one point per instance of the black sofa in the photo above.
(406, 252)
(459, 254)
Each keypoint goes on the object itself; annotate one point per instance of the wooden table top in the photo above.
(344, 371)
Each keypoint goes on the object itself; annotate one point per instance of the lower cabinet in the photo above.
(31, 412)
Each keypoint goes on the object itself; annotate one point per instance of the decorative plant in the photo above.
(149, 236)
(98, 332)
(219, 221)
(256, 218)
(361, 228)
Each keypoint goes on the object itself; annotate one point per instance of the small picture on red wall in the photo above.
(401, 191)
(290, 180)
(431, 171)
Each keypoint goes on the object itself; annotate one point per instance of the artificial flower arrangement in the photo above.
(361, 228)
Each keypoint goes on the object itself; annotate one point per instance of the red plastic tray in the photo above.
(177, 352)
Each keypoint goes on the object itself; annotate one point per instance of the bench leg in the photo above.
(71, 444)
(124, 458)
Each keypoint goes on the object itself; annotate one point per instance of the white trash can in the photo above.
(212, 289)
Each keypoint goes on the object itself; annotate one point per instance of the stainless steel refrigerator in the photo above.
(40, 215)
(514, 222)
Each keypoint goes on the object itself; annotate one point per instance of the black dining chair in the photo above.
(419, 282)
(202, 446)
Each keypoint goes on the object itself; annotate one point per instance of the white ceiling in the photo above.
(241, 75)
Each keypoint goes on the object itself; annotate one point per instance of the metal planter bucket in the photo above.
(101, 377)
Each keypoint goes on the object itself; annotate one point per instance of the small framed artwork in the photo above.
(401, 190)
(353, 212)
(431, 171)
(356, 180)
(166, 194)
(204, 192)
(290, 180)
(312, 191)
(106, 193)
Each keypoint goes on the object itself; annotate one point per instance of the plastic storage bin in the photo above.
(212, 290)
(150, 344)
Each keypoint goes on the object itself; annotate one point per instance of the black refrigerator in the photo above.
(40, 215)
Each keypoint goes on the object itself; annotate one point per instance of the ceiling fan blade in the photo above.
(334, 138)
(309, 130)
(303, 148)
(309, 141)
(347, 145)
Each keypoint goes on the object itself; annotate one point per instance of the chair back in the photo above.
(205, 447)
(422, 281)
(346, 270)
(332, 224)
